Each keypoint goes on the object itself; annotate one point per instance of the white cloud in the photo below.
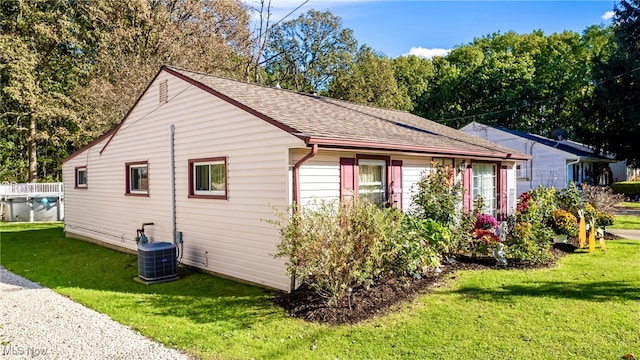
(608, 15)
(428, 53)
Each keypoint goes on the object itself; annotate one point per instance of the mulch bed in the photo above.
(386, 294)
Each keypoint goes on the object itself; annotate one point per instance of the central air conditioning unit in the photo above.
(157, 262)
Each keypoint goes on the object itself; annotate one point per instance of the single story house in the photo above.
(553, 163)
(207, 158)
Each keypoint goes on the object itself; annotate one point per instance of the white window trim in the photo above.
(131, 177)
(211, 191)
(383, 165)
(492, 207)
(78, 183)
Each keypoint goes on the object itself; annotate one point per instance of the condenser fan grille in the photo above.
(157, 261)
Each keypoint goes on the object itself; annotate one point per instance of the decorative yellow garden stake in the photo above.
(592, 239)
(582, 229)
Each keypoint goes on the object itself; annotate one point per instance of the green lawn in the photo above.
(633, 205)
(584, 308)
(625, 222)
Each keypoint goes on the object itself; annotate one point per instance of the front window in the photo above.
(138, 178)
(208, 178)
(81, 177)
(484, 186)
(372, 180)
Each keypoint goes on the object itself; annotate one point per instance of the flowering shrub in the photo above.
(523, 203)
(563, 222)
(483, 241)
(589, 213)
(437, 196)
(486, 222)
(603, 219)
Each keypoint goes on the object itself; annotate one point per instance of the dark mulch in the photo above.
(386, 294)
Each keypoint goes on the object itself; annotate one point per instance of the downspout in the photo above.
(531, 163)
(172, 180)
(296, 172)
(296, 193)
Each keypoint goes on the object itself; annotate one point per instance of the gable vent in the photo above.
(164, 92)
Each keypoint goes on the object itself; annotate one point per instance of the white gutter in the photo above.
(172, 181)
(567, 169)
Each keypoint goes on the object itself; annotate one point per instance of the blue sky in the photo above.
(397, 27)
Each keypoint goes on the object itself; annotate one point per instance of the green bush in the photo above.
(334, 247)
(462, 236)
(627, 188)
(413, 253)
(437, 236)
(569, 198)
(528, 242)
(546, 200)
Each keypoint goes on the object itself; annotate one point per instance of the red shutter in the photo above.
(467, 184)
(504, 198)
(347, 179)
(396, 183)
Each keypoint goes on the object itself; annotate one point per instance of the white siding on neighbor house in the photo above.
(229, 237)
(547, 167)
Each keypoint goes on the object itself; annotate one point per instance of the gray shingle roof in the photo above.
(311, 116)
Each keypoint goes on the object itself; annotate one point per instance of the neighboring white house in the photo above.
(209, 158)
(553, 163)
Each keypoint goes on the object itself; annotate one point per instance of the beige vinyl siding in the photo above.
(320, 175)
(229, 237)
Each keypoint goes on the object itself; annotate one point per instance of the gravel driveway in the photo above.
(38, 323)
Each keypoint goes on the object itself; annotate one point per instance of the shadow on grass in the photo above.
(67, 265)
(593, 291)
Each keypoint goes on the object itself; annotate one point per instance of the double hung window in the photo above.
(372, 180)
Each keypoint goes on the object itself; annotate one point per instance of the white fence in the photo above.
(31, 202)
(31, 189)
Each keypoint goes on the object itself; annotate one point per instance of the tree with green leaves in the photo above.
(70, 70)
(305, 54)
(414, 76)
(44, 57)
(137, 37)
(528, 82)
(369, 80)
(614, 110)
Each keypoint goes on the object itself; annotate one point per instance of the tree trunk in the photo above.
(33, 158)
